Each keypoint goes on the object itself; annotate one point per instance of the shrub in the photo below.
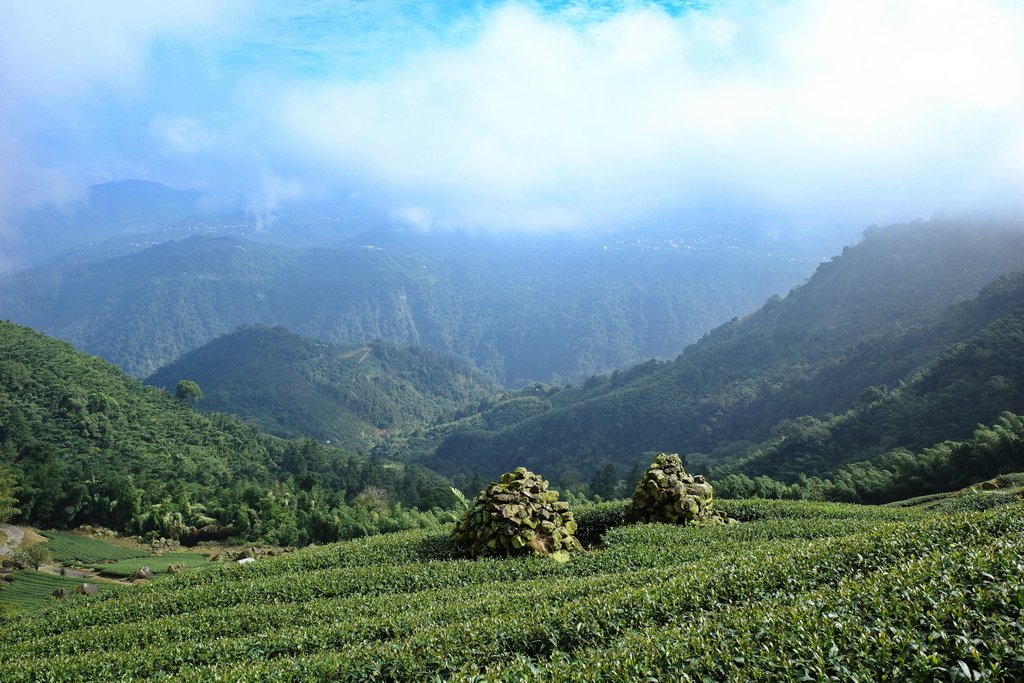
(594, 520)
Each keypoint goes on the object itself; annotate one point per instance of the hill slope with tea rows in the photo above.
(797, 591)
(350, 396)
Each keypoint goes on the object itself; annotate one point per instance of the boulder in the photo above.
(144, 573)
(517, 515)
(175, 568)
(667, 494)
(60, 593)
(87, 589)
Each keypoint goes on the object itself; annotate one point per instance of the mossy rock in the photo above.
(517, 515)
(667, 494)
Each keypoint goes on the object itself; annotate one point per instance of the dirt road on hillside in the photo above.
(14, 536)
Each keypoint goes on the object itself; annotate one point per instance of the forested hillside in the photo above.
(521, 309)
(872, 318)
(89, 444)
(352, 396)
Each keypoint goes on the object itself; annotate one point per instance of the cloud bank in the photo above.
(812, 107)
(537, 116)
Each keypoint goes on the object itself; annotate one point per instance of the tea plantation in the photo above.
(796, 591)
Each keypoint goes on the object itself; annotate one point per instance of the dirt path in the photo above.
(366, 352)
(90, 574)
(15, 534)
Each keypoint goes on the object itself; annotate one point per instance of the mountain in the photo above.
(522, 309)
(978, 374)
(107, 210)
(872, 317)
(350, 395)
(90, 445)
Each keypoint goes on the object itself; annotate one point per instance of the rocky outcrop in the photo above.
(517, 515)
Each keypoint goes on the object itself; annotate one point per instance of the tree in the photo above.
(605, 482)
(35, 555)
(8, 487)
(188, 391)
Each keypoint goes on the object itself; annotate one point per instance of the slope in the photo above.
(89, 444)
(867, 318)
(350, 395)
(975, 378)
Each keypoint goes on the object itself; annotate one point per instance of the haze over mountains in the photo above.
(891, 327)
(521, 308)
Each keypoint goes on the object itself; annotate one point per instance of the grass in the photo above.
(158, 564)
(70, 548)
(29, 590)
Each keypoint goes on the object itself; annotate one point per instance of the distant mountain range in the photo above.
(106, 211)
(553, 308)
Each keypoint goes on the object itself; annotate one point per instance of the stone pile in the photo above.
(517, 515)
(666, 493)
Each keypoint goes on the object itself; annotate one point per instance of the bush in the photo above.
(594, 520)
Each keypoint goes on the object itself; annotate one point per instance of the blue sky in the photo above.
(523, 116)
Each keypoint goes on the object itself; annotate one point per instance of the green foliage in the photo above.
(833, 590)
(517, 515)
(593, 520)
(351, 396)
(901, 309)
(8, 489)
(158, 564)
(900, 474)
(90, 445)
(529, 309)
(33, 555)
(188, 390)
(70, 548)
(30, 590)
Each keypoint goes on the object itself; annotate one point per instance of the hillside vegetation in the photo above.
(522, 309)
(352, 396)
(88, 444)
(896, 330)
(797, 590)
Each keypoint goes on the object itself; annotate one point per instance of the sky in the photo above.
(523, 115)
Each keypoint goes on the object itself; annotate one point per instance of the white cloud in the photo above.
(879, 108)
(522, 117)
(58, 58)
(182, 135)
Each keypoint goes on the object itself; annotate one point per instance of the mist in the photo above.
(524, 116)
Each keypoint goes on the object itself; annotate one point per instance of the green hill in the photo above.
(796, 591)
(522, 309)
(89, 444)
(876, 316)
(352, 396)
(973, 380)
